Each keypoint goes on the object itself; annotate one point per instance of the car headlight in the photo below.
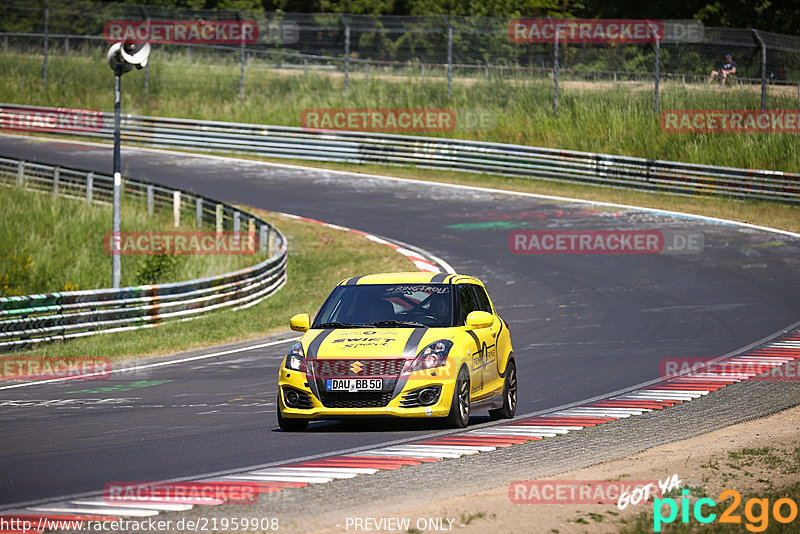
(296, 359)
(434, 355)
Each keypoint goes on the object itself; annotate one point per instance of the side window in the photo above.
(467, 303)
(483, 299)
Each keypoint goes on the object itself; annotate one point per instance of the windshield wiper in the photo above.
(338, 325)
(396, 323)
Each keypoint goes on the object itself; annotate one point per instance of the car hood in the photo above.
(367, 343)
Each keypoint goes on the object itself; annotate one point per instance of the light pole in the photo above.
(122, 57)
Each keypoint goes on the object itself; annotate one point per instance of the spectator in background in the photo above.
(728, 68)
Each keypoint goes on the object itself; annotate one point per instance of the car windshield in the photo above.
(387, 305)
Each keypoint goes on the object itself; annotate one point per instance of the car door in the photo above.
(482, 345)
(489, 342)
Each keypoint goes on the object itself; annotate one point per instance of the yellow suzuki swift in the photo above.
(416, 345)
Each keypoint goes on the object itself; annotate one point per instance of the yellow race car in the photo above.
(417, 345)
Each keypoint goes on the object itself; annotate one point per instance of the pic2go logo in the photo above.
(756, 521)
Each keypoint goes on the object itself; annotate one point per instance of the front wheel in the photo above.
(459, 408)
(509, 394)
(290, 425)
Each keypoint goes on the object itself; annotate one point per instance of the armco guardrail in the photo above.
(447, 154)
(31, 319)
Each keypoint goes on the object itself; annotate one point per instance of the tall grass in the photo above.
(49, 245)
(591, 116)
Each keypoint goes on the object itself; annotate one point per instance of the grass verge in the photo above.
(591, 116)
(57, 244)
(319, 257)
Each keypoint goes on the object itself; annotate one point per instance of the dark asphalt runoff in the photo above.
(582, 324)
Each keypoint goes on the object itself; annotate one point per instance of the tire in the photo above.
(290, 425)
(509, 394)
(459, 408)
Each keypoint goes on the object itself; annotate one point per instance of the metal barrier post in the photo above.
(66, 47)
(236, 221)
(56, 174)
(615, 82)
(449, 57)
(270, 242)
(346, 55)
(176, 208)
(555, 75)
(45, 43)
(262, 238)
(150, 201)
(241, 59)
(763, 69)
(657, 77)
(219, 215)
(20, 174)
(198, 209)
(89, 187)
(366, 73)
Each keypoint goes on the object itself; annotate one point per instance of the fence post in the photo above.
(615, 81)
(66, 47)
(346, 55)
(449, 56)
(176, 208)
(763, 69)
(198, 209)
(305, 66)
(366, 72)
(422, 71)
(45, 43)
(150, 201)
(237, 224)
(262, 238)
(486, 71)
(220, 216)
(56, 175)
(89, 187)
(242, 58)
(20, 174)
(657, 75)
(555, 75)
(270, 242)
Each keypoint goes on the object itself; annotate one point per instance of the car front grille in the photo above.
(359, 399)
(387, 369)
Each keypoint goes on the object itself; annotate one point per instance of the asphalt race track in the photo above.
(582, 324)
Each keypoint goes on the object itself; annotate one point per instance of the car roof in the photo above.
(411, 278)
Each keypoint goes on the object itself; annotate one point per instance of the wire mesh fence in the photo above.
(444, 49)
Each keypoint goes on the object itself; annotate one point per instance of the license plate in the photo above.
(354, 384)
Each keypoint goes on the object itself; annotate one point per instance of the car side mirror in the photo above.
(479, 319)
(300, 322)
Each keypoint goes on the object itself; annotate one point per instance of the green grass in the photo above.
(592, 117)
(319, 258)
(49, 245)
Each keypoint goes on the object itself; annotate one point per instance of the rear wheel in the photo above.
(459, 408)
(290, 425)
(509, 394)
